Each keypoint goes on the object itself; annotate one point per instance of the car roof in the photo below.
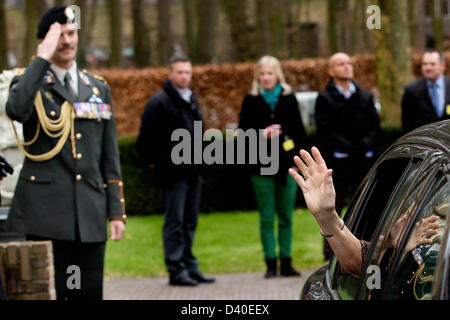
(432, 136)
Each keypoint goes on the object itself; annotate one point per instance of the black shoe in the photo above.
(200, 278)
(271, 268)
(183, 281)
(286, 268)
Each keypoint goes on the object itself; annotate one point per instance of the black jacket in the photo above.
(348, 126)
(256, 114)
(417, 108)
(165, 112)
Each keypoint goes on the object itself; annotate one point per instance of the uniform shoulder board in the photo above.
(20, 72)
(100, 78)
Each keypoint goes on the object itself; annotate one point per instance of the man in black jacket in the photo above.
(175, 108)
(347, 125)
(427, 99)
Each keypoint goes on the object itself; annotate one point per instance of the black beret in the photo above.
(55, 14)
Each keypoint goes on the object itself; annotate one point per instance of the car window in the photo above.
(413, 269)
(391, 226)
(366, 211)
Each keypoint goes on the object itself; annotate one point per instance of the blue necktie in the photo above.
(435, 99)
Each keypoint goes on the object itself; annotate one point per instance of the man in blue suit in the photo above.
(427, 99)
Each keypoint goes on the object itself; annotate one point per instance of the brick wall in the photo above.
(27, 270)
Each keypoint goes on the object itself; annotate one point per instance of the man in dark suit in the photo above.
(347, 126)
(427, 99)
(70, 184)
(173, 108)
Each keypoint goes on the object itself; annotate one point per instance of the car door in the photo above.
(367, 211)
(405, 264)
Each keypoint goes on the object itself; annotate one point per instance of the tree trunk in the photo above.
(3, 38)
(278, 32)
(141, 36)
(190, 26)
(393, 60)
(207, 21)
(291, 27)
(437, 9)
(90, 21)
(236, 11)
(333, 39)
(30, 41)
(82, 34)
(115, 29)
(262, 9)
(412, 21)
(164, 32)
(40, 7)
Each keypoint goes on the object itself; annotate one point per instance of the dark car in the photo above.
(409, 182)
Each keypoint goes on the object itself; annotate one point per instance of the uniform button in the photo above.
(120, 184)
(99, 119)
(122, 200)
(52, 113)
(32, 178)
(78, 177)
(79, 156)
(105, 186)
(79, 136)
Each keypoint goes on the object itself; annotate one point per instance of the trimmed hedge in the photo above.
(225, 187)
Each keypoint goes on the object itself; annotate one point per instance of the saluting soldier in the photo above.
(70, 184)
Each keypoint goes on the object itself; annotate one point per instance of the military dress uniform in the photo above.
(69, 194)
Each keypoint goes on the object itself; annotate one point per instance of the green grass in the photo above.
(225, 242)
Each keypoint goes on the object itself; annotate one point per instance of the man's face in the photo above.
(341, 67)
(181, 74)
(432, 67)
(66, 50)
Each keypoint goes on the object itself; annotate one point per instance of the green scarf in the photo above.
(272, 97)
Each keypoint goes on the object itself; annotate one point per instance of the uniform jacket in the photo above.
(164, 113)
(53, 195)
(417, 108)
(256, 114)
(347, 126)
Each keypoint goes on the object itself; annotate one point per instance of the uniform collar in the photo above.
(60, 73)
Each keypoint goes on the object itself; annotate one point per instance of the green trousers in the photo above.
(273, 197)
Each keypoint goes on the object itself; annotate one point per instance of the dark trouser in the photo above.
(347, 176)
(2, 291)
(181, 201)
(89, 257)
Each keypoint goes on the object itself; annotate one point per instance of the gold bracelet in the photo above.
(330, 235)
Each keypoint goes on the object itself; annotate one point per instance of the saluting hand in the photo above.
(47, 47)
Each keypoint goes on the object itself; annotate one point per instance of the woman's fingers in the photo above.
(318, 157)
(308, 159)
(301, 165)
(298, 178)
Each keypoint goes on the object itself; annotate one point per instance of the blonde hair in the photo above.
(269, 61)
